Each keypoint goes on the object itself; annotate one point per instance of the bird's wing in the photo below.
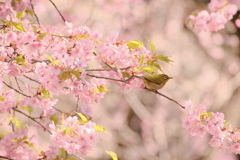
(152, 78)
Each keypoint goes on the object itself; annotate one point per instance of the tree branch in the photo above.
(34, 12)
(32, 119)
(58, 11)
(155, 91)
(16, 90)
(6, 158)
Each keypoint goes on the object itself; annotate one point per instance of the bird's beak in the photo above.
(170, 77)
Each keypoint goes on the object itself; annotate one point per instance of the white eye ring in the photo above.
(165, 77)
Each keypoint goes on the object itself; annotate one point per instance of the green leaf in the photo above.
(112, 154)
(148, 69)
(67, 130)
(28, 108)
(83, 36)
(2, 98)
(142, 59)
(20, 14)
(29, 11)
(4, 22)
(57, 158)
(134, 44)
(54, 119)
(76, 73)
(18, 26)
(125, 75)
(42, 35)
(14, 120)
(21, 59)
(100, 129)
(163, 58)
(62, 76)
(103, 88)
(83, 120)
(157, 66)
(29, 144)
(50, 58)
(151, 45)
(44, 93)
(63, 153)
(71, 158)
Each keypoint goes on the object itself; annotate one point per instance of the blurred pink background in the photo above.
(142, 125)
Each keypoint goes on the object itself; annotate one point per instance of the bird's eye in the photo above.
(165, 77)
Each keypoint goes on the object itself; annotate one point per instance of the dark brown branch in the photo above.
(155, 91)
(16, 90)
(34, 12)
(32, 119)
(119, 80)
(31, 79)
(18, 84)
(58, 11)
(112, 68)
(6, 158)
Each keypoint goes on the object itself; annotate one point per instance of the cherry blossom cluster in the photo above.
(199, 122)
(74, 137)
(60, 63)
(221, 11)
(17, 145)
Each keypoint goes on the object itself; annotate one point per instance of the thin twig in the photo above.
(18, 84)
(155, 91)
(119, 80)
(78, 98)
(112, 68)
(16, 90)
(34, 12)
(58, 11)
(32, 119)
(6, 158)
(31, 79)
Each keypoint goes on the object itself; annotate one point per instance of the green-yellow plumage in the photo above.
(155, 82)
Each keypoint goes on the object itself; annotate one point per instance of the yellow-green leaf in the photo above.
(62, 118)
(141, 59)
(29, 144)
(83, 36)
(34, 28)
(157, 66)
(29, 11)
(125, 75)
(57, 158)
(226, 123)
(63, 153)
(112, 154)
(76, 73)
(18, 26)
(14, 120)
(2, 98)
(134, 44)
(163, 58)
(103, 88)
(149, 69)
(28, 108)
(151, 45)
(66, 130)
(54, 119)
(4, 22)
(50, 58)
(42, 35)
(83, 120)
(20, 14)
(62, 76)
(100, 129)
